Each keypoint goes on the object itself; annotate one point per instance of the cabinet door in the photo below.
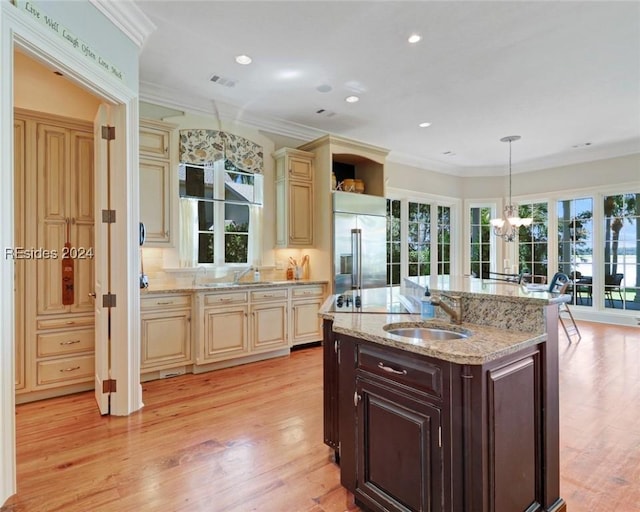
(300, 213)
(155, 199)
(300, 168)
(399, 461)
(269, 326)
(155, 141)
(226, 334)
(165, 339)
(306, 324)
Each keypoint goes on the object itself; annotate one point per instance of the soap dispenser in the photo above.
(427, 310)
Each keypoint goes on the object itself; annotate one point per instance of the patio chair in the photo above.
(559, 284)
(612, 284)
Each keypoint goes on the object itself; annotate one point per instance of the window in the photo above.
(533, 239)
(419, 239)
(621, 242)
(218, 208)
(393, 242)
(480, 223)
(444, 240)
(575, 245)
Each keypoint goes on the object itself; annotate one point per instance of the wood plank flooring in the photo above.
(250, 439)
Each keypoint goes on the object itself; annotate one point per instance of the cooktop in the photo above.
(371, 300)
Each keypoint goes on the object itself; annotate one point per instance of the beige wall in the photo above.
(37, 88)
(400, 176)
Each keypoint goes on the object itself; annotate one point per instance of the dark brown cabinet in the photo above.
(416, 433)
(399, 462)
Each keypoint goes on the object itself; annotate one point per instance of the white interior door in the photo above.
(102, 258)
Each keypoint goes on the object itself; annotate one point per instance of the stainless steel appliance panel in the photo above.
(350, 213)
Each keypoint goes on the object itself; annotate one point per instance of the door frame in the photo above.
(18, 31)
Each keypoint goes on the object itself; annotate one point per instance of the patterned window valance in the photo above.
(202, 146)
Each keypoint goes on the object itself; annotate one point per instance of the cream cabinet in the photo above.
(54, 204)
(158, 181)
(269, 315)
(294, 198)
(225, 327)
(306, 325)
(165, 332)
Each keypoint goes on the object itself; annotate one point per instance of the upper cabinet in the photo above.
(294, 198)
(349, 165)
(158, 194)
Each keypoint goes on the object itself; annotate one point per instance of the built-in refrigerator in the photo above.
(359, 241)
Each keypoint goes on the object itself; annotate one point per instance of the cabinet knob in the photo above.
(356, 398)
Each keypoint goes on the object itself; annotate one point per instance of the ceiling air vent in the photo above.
(221, 80)
(325, 112)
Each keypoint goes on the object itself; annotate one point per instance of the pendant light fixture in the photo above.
(509, 229)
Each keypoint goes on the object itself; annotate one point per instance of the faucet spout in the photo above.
(454, 310)
(239, 274)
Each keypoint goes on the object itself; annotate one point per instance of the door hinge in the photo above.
(109, 300)
(109, 386)
(108, 216)
(109, 132)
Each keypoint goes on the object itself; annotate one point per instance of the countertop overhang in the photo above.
(223, 286)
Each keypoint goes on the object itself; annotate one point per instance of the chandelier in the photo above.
(508, 230)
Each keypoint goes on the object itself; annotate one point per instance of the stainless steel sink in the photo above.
(427, 333)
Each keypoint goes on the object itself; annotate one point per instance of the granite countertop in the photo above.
(222, 286)
(483, 344)
(499, 319)
(474, 287)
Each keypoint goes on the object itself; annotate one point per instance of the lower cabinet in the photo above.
(225, 327)
(165, 332)
(416, 433)
(269, 320)
(399, 462)
(306, 325)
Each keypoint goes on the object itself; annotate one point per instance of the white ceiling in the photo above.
(558, 73)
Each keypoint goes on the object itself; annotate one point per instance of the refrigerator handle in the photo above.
(356, 255)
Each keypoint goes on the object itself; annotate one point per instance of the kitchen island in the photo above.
(467, 424)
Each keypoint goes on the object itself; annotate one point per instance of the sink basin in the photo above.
(219, 285)
(427, 333)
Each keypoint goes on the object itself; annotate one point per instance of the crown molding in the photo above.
(222, 111)
(128, 17)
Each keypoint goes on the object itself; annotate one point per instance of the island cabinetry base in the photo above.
(418, 433)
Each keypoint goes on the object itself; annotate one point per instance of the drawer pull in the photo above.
(165, 303)
(227, 299)
(71, 369)
(70, 342)
(70, 322)
(391, 370)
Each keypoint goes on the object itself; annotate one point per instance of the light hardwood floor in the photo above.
(250, 439)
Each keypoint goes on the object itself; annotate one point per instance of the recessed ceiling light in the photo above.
(243, 59)
(323, 88)
(414, 38)
(352, 99)
(424, 125)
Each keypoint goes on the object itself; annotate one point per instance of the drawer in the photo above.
(222, 299)
(404, 369)
(273, 294)
(64, 322)
(165, 301)
(68, 342)
(65, 371)
(301, 292)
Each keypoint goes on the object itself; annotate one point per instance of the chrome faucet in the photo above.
(454, 310)
(237, 275)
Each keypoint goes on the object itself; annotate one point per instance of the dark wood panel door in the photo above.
(399, 461)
